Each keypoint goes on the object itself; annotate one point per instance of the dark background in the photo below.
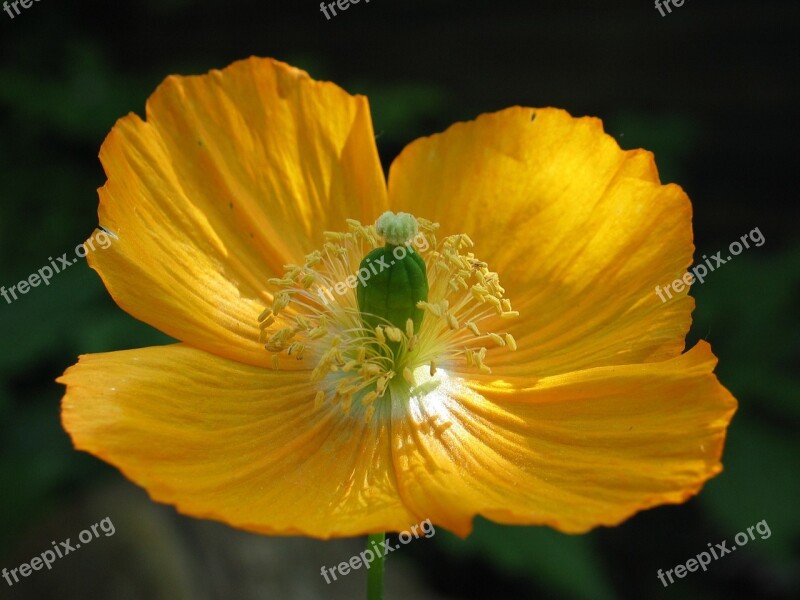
(711, 89)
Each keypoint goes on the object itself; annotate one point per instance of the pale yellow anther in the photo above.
(427, 225)
(506, 304)
(394, 334)
(452, 321)
(477, 294)
(409, 328)
(469, 354)
(280, 281)
(512, 343)
(379, 335)
(313, 259)
(495, 302)
(511, 314)
(408, 376)
(433, 368)
(431, 308)
(473, 328)
(278, 339)
(349, 365)
(293, 347)
(497, 339)
(455, 259)
(280, 302)
(319, 399)
(267, 312)
(318, 332)
(347, 388)
(478, 357)
(370, 370)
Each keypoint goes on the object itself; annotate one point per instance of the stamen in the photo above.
(311, 319)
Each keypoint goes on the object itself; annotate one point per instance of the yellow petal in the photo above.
(235, 443)
(233, 174)
(575, 451)
(580, 232)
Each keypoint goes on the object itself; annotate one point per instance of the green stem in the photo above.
(375, 573)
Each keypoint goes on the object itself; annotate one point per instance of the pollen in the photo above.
(357, 365)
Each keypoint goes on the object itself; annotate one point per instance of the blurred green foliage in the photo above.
(749, 314)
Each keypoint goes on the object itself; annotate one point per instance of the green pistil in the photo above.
(393, 279)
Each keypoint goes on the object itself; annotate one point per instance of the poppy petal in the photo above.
(231, 442)
(573, 452)
(233, 174)
(579, 231)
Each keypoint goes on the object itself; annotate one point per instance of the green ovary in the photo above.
(389, 288)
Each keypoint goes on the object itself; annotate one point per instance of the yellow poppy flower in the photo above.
(544, 384)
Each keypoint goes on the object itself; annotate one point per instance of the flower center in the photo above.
(380, 303)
